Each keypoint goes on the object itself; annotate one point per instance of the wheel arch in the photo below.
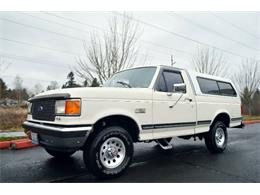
(223, 116)
(127, 122)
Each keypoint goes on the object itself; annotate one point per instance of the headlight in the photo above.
(29, 108)
(68, 107)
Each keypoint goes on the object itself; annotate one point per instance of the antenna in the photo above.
(172, 62)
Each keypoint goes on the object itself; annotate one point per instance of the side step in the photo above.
(164, 144)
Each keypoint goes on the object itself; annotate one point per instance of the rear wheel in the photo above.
(216, 138)
(109, 153)
(59, 154)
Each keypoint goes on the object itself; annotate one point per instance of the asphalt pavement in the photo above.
(188, 162)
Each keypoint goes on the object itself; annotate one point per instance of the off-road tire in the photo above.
(214, 140)
(92, 153)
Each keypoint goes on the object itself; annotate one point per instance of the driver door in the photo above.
(174, 114)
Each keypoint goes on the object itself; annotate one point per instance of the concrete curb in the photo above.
(251, 122)
(5, 144)
(17, 144)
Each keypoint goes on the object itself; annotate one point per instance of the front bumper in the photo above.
(59, 137)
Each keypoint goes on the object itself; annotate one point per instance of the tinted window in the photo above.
(172, 78)
(208, 86)
(161, 84)
(226, 89)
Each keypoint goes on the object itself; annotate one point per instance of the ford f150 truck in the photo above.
(152, 103)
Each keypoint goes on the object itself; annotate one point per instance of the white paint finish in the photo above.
(182, 111)
(98, 103)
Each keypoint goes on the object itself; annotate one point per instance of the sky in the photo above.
(43, 46)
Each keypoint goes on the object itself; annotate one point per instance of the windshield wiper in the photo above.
(124, 83)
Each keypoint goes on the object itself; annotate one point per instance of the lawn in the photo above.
(249, 118)
(12, 118)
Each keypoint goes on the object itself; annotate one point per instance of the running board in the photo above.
(164, 144)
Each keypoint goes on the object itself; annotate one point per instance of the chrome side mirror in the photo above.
(179, 88)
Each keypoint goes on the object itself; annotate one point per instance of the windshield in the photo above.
(133, 78)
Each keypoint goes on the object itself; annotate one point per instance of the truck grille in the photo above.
(43, 109)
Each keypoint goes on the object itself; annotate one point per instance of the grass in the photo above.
(249, 118)
(12, 138)
(12, 118)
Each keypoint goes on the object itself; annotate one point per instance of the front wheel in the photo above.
(109, 153)
(216, 138)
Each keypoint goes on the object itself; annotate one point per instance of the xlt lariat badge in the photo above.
(140, 110)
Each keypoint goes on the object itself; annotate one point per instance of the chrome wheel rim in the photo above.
(220, 137)
(112, 152)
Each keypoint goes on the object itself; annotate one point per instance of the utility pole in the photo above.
(172, 62)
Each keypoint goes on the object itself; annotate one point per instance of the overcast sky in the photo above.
(43, 46)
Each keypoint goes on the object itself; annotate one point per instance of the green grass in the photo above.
(12, 138)
(249, 118)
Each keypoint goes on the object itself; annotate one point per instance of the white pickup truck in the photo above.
(152, 103)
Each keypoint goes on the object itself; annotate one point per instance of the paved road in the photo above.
(188, 162)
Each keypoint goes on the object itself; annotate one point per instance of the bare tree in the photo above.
(209, 61)
(248, 82)
(18, 84)
(38, 88)
(107, 53)
(53, 85)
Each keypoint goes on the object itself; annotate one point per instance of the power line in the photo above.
(30, 26)
(182, 36)
(54, 22)
(235, 26)
(102, 29)
(212, 31)
(42, 29)
(38, 46)
(13, 76)
(23, 58)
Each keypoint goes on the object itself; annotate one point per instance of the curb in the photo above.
(251, 122)
(5, 144)
(21, 144)
(17, 144)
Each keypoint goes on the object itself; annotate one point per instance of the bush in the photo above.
(12, 118)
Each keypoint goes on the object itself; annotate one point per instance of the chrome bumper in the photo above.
(59, 137)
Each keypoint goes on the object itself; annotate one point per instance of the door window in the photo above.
(168, 79)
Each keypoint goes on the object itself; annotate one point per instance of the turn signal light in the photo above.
(72, 107)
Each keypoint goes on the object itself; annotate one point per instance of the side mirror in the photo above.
(179, 88)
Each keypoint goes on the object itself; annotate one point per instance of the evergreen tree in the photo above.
(71, 83)
(95, 83)
(3, 89)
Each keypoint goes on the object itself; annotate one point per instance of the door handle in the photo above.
(189, 99)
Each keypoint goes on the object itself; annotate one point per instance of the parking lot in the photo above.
(189, 161)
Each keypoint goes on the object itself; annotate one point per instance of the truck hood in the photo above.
(102, 93)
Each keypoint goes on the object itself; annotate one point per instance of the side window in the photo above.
(161, 84)
(226, 89)
(208, 86)
(172, 78)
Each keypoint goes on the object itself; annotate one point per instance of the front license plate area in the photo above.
(35, 139)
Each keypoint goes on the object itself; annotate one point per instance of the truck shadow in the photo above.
(152, 164)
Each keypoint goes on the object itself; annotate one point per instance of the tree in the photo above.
(107, 53)
(71, 83)
(248, 82)
(38, 88)
(3, 89)
(18, 83)
(256, 103)
(53, 85)
(209, 61)
(95, 83)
